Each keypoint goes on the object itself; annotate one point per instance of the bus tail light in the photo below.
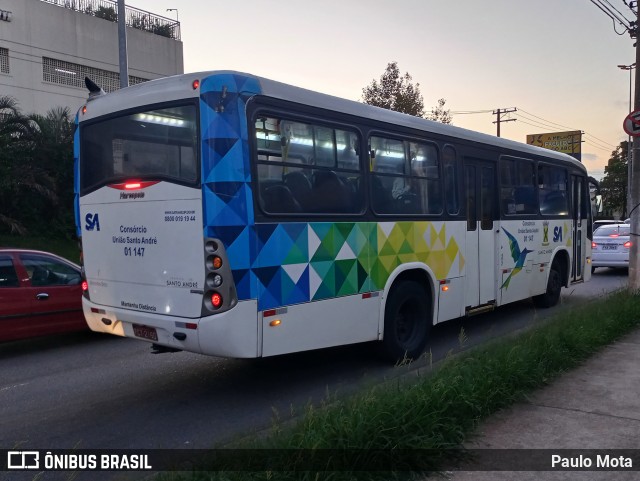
(627, 244)
(593, 245)
(83, 278)
(219, 287)
(216, 300)
(84, 285)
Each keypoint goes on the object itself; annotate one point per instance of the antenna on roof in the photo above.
(94, 89)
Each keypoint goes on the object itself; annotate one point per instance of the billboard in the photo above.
(565, 142)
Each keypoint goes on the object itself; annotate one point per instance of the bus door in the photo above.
(480, 252)
(579, 231)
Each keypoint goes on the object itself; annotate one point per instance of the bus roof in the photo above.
(179, 87)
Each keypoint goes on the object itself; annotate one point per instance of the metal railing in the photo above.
(135, 18)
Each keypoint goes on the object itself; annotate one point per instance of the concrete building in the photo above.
(47, 47)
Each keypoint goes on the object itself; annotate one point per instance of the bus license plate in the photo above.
(145, 332)
(607, 247)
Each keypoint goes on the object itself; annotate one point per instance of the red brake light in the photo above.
(614, 235)
(85, 286)
(216, 300)
(627, 244)
(195, 84)
(134, 185)
(593, 245)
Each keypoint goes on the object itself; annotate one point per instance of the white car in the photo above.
(610, 246)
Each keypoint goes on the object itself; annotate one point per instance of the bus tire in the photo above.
(554, 285)
(406, 322)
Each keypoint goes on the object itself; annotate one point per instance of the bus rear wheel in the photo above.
(554, 285)
(406, 322)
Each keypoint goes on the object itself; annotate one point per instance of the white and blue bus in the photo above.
(232, 215)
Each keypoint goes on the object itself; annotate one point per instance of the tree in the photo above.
(439, 114)
(614, 183)
(398, 93)
(36, 165)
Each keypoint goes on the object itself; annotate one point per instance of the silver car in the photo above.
(610, 246)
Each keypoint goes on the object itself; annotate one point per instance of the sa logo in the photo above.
(557, 234)
(92, 222)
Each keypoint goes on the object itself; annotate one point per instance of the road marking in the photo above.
(11, 387)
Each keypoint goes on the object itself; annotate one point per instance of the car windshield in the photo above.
(612, 230)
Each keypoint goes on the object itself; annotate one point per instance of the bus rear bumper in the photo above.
(232, 333)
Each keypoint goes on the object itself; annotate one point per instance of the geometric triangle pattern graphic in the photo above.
(302, 262)
(226, 177)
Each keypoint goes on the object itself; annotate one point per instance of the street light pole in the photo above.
(634, 252)
(629, 162)
(122, 45)
(174, 10)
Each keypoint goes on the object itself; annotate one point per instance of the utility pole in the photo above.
(500, 113)
(630, 68)
(122, 45)
(634, 264)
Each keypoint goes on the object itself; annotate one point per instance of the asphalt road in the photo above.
(103, 392)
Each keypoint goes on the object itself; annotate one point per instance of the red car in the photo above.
(40, 294)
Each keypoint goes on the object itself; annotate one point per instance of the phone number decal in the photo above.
(179, 216)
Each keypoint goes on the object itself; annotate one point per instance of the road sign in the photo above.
(631, 123)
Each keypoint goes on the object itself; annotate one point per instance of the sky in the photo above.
(556, 61)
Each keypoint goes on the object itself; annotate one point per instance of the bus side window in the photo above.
(552, 186)
(307, 168)
(517, 189)
(450, 179)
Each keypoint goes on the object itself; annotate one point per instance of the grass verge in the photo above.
(437, 411)
(66, 248)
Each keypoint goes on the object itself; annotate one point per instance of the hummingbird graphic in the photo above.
(517, 255)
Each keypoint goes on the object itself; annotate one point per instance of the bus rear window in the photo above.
(152, 144)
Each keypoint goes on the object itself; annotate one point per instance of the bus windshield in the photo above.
(158, 144)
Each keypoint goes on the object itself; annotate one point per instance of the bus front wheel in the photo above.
(406, 321)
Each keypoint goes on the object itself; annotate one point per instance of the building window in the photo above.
(73, 74)
(4, 60)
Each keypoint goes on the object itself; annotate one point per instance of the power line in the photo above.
(615, 12)
(612, 15)
(616, 16)
(499, 113)
(546, 121)
(566, 127)
(606, 149)
(524, 116)
(630, 6)
(607, 144)
(540, 125)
